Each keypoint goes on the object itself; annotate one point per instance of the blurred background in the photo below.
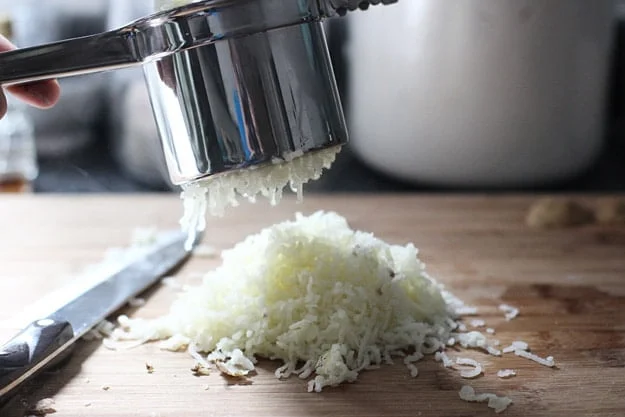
(472, 95)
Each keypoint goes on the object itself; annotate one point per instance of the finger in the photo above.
(3, 104)
(5, 45)
(42, 94)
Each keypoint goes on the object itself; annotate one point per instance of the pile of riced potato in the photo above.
(326, 302)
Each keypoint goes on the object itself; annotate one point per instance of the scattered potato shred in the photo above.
(478, 323)
(506, 373)
(516, 345)
(548, 361)
(442, 357)
(476, 371)
(509, 311)
(495, 402)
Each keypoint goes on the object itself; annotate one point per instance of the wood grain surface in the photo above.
(569, 285)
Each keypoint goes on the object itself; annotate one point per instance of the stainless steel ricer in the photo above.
(232, 83)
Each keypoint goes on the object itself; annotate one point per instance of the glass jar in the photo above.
(18, 156)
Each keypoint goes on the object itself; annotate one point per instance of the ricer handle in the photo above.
(95, 53)
(159, 35)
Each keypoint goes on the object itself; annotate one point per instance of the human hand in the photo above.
(41, 94)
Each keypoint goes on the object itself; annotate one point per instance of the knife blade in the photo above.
(46, 341)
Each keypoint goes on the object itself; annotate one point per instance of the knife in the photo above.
(46, 341)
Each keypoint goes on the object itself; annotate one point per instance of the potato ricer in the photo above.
(232, 83)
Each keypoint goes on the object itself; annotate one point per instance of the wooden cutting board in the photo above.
(569, 286)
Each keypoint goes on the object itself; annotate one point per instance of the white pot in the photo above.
(480, 92)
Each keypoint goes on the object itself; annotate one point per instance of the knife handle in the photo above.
(35, 348)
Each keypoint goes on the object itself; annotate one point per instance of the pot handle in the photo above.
(95, 53)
